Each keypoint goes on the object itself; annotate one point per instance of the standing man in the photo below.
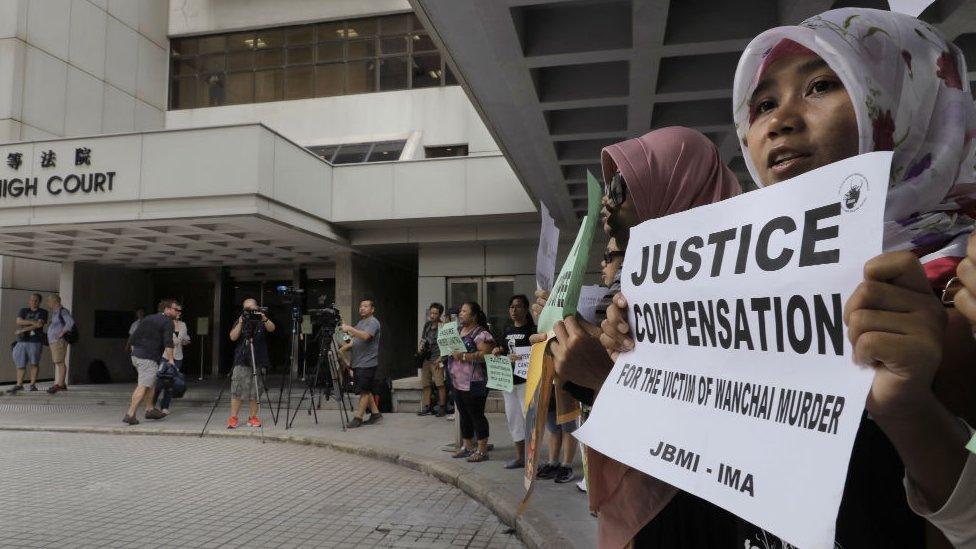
(242, 383)
(365, 346)
(61, 323)
(432, 370)
(152, 338)
(30, 340)
(140, 314)
(164, 395)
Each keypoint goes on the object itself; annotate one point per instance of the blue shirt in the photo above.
(61, 322)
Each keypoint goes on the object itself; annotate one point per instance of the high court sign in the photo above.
(81, 182)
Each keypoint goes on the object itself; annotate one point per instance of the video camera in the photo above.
(327, 316)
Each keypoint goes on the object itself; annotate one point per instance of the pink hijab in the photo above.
(667, 171)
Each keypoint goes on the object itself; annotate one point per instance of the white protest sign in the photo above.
(449, 340)
(590, 297)
(522, 361)
(545, 260)
(499, 369)
(742, 375)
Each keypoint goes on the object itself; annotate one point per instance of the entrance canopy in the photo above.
(214, 196)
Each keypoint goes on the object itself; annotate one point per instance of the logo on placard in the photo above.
(853, 192)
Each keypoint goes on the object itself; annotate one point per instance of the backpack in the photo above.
(71, 336)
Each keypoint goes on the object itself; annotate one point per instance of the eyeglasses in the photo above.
(610, 254)
(615, 191)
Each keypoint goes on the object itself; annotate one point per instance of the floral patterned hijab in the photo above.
(909, 95)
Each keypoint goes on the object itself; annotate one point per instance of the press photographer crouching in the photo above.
(251, 350)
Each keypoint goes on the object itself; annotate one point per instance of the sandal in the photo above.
(462, 453)
(477, 457)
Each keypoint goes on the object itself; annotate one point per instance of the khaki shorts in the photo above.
(59, 351)
(242, 383)
(432, 371)
(147, 371)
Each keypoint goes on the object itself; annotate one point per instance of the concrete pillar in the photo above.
(220, 279)
(343, 286)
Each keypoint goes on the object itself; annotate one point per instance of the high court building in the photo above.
(212, 150)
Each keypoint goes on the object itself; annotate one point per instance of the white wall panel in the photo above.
(467, 260)
(151, 73)
(493, 188)
(300, 178)
(197, 16)
(12, 62)
(118, 112)
(148, 117)
(84, 104)
(48, 26)
(434, 188)
(45, 83)
(121, 56)
(88, 28)
(363, 193)
(13, 18)
(154, 21)
(126, 11)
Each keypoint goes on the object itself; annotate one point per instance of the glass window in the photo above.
(183, 47)
(240, 88)
(393, 73)
(349, 154)
(300, 35)
(240, 41)
(330, 51)
(269, 38)
(386, 151)
(300, 55)
(331, 31)
(444, 151)
(212, 44)
(183, 92)
(326, 151)
(242, 60)
(360, 76)
(330, 79)
(298, 82)
(497, 293)
(211, 89)
(449, 78)
(185, 67)
(396, 24)
(426, 70)
(422, 42)
(360, 28)
(393, 45)
(268, 85)
(358, 49)
(211, 63)
(269, 58)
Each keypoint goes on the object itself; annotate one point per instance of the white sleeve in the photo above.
(957, 518)
(184, 336)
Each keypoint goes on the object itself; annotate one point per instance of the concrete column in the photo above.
(66, 289)
(220, 277)
(343, 286)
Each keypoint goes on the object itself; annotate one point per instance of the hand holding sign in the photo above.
(499, 373)
(578, 356)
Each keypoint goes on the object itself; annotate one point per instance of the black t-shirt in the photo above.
(516, 336)
(34, 336)
(242, 354)
(153, 334)
(874, 512)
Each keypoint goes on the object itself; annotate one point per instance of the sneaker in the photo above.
(165, 411)
(154, 414)
(565, 474)
(16, 389)
(253, 421)
(63, 387)
(581, 485)
(547, 471)
(450, 417)
(131, 420)
(373, 419)
(462, 453)
(515, 464)
(424, 412)
(354, 422)
(53, 389)
(232, 423)
(477, 457)
(33, 388)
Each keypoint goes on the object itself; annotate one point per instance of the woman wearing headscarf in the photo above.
(843, 83)
(666, 171)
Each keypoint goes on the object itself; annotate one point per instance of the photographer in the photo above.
(432, 370)
(255, 323)
(365, 347)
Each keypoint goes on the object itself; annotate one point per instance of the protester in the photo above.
(164, 395)
(802, 93)
(561, 447)
(432, 370)
(152, 339)
(470, 381)
(61, 323)
(255, 323)
(30, 342)
(365, 347)
(516, 334)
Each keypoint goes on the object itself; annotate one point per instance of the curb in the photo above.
(533, 528)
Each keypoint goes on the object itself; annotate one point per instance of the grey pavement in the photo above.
(93, 490)
(556, 517)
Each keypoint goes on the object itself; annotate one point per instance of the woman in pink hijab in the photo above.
(666, 171)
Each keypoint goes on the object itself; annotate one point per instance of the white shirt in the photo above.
(180, 338)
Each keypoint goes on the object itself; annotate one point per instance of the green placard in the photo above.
(499, 372)
(449, 339)
(566, 291)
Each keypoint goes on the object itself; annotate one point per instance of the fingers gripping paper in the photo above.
(742, 382)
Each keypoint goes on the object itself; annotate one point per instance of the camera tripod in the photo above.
(248, 329)
(328, 356)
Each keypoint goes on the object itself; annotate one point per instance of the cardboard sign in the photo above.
(307, 324)
(449, 339)
(499, 372)
(545, 260)
(522, 361)
(203, 325)
(742, 358)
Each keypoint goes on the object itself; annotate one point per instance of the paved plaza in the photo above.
(95, 490)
